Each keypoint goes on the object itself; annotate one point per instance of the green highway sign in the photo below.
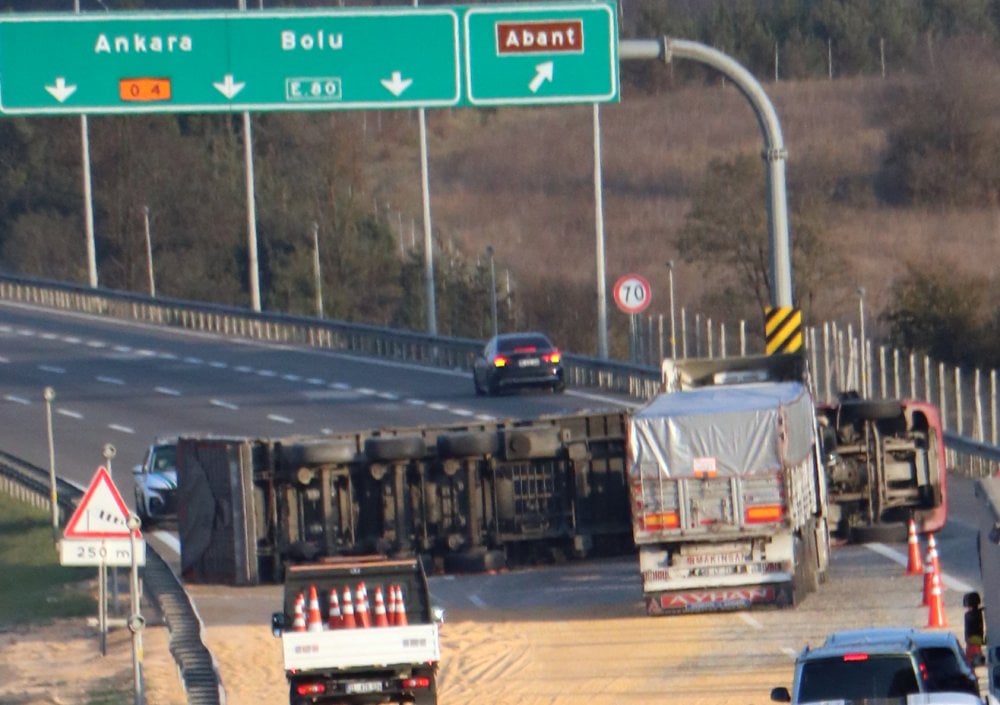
(205, 62)
(539, 54)
(421, 57)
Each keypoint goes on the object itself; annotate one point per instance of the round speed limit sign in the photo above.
(632, 293)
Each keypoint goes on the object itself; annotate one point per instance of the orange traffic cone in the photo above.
(400, 607)
(349, 621)
(931, 566)
(298, 618)
(334, 619)
(935, 613)
(361, 606)
(381, 619)
(914, 565)
(391, 607)
(314, 622)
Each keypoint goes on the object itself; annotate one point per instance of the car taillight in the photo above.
(416, 682)
(500, 361)
(553, 357)
(855, 657)
(310, 688)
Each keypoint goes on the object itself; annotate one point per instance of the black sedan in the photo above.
(514, 360)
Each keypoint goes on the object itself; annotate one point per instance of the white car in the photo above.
(155, 483)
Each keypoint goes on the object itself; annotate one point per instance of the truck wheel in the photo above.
(528, 443)
(879, 533)
(390, 448)
(320, 452)
(870, 409)
(470, 443)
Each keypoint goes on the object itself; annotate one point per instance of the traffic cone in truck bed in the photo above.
(349, 621)
(298, 618)
(400, 608)
(335, 620)
(314, 622)
(391, 607)
(362, 615)
(381, 619)
(914, 565)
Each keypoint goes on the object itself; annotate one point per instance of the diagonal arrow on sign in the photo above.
(397, 84)
(61, 91)
(543, 72)
(228, 87)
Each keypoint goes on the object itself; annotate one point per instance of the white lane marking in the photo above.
(462, 412)
(223, 404)
(122, 348)
(110, 380)
(16, 400)
(291, 378)
(267, 373)
(70, 339)
(437, 406)
(96, 344)
(26, 332)
(3, 359)
(143, 352)
(485, 417)
(315, 380)
(71, 414)
(53, 369)
(477, 601)
(340, 385)
(366, 391)
(416, 402)
(218, 365)
(388, 395)
(243, 368)
(193, 360)
(6, 329)
(903, 560)
(280, 419)
(170, 392)
(49, 336)
(751, 620)
(166, 356)
(123, 429)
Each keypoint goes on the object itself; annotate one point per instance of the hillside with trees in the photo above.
(889, 113)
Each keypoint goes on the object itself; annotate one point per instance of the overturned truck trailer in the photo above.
(470, 497)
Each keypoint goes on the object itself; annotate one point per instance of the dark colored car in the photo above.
(517, 360)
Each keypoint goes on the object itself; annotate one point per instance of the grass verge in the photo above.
(34, 588)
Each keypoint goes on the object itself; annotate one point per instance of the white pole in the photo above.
(673, 321)
(149, 252)
(88, 194)
(252, 265)
(317, 273)
(602, 293)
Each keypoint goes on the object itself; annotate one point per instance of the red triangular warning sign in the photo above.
(102, 513)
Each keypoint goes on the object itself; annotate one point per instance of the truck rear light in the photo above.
(660, 520)
(417, 682)
(765, 514)
(317, 688)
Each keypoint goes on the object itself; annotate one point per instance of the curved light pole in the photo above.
(774, 153)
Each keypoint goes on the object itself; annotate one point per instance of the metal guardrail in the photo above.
(639, 381)
(198, 670)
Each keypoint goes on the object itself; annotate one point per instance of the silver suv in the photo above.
(155, 483)
(880, 664)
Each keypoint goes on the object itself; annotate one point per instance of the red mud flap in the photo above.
(737, 598)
